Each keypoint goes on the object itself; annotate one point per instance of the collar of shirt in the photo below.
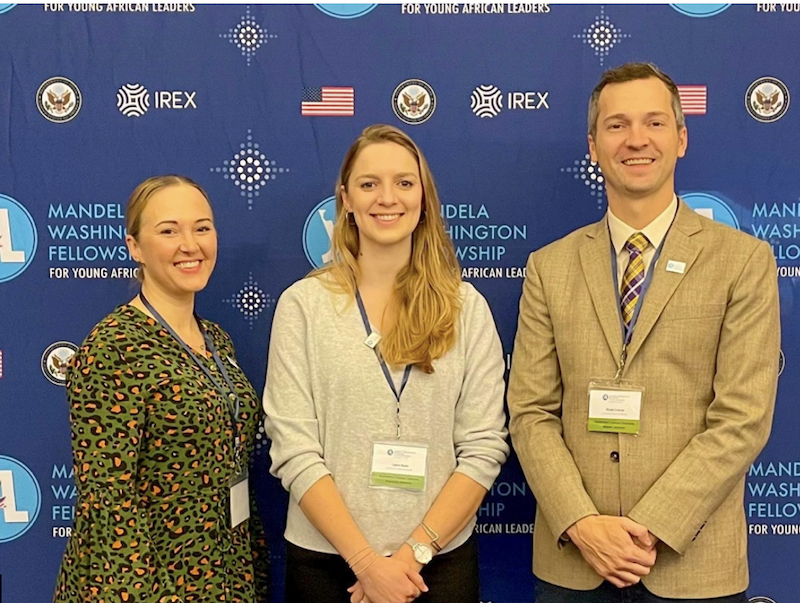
(655, 231)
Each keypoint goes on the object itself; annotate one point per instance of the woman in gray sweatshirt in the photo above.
(384, 396)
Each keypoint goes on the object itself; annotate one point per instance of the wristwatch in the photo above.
(422, 552)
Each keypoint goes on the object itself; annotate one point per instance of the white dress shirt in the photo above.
(655, 233)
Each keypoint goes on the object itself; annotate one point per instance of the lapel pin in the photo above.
(372, 340)
(676, 267)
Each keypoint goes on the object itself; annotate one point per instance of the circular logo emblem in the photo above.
(55, 361)
(700, 10)
(761, 600)
(133, 100)
(58, 99)
(414, 101)
(711, 207)
(346, 11)
(318, 232)
(486, 101)
(767, 99)
(4, 8)
(18, 238)
(20, 499)
(781, 363)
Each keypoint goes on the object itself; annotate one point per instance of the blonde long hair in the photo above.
(426, 292)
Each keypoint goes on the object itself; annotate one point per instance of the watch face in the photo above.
(423, 554)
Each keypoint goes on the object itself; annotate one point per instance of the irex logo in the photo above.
(175, 99)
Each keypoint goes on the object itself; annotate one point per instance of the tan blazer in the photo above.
(705, 348)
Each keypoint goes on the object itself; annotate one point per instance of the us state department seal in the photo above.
(58, 99)
(767, 99)
(414, 102)
(55, 361)
(761, 600)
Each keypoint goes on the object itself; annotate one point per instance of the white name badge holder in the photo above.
(398, 465)
(239, 497)
(615, 406)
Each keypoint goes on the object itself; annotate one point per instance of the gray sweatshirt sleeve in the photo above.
(480, 432)
(291, 419)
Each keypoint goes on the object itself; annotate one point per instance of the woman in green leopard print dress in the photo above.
(152, 435)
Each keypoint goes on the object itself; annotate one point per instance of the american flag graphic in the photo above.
(328, 101)
(694, 99)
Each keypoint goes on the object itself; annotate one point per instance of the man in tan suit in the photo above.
(644, 374)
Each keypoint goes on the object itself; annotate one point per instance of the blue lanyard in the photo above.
(384, 368)
(232, 395)
(627, 332)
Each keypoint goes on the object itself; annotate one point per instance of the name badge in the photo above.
(615, 407)
(399, 465)
(240, 499)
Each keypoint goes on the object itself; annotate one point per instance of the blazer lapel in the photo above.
(678, 247)
(595, 256)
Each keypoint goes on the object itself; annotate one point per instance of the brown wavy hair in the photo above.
(426, 295)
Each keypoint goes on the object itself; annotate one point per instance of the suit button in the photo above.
(614, 457)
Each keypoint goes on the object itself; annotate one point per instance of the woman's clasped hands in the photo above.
(386, 580)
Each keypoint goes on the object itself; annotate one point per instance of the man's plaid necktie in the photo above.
(634, 276)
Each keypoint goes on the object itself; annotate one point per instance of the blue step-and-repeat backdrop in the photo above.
(259, 103)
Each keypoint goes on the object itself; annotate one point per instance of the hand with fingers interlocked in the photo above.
(387, 580)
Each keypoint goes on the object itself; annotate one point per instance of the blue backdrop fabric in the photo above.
(259, 104)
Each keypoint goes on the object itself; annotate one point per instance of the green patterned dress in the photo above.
(152, 445)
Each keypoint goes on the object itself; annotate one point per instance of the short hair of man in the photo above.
(628, 73)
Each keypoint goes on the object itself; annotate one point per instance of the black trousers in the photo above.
(608, 593)
(313, 577)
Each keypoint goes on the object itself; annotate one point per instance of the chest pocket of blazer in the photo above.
(684, 312)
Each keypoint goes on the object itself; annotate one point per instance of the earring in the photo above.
(351, 219)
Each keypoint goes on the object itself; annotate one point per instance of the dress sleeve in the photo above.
(110, 552)
(479, 432)
(291, 418)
